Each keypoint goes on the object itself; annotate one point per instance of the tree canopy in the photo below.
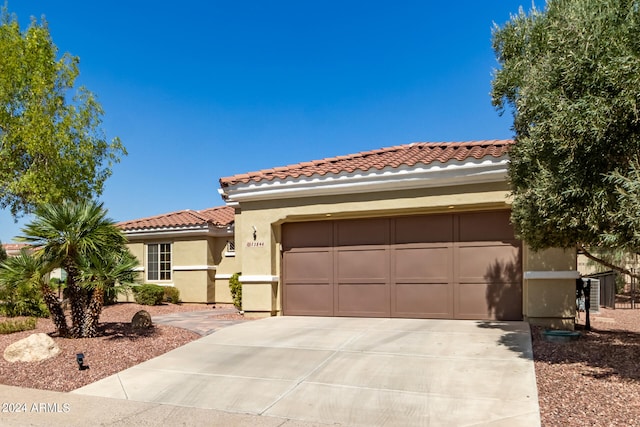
(52, 146)
(570, 74)
(79, 238)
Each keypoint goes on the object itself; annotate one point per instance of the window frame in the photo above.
(155, 263)
(230, 248)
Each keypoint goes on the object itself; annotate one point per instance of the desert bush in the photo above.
(10, 326)
(236, 290)
(171, 294)
(22, 299)
(148, 294)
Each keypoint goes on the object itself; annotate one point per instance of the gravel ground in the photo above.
(117, 349)
(593, 381)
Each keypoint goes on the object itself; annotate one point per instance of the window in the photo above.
(230, 250)
(159, 261)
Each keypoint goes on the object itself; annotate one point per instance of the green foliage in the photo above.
(79, 238)
(25, 301)
(3, 253)
(52, 146)
(571, 76)
(20, 280)
(111, 271)
(148, 294)
(171, 294)
(236, 290)
(18, 325)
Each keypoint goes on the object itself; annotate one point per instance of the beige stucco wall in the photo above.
(227, 265)
(196, 261)
(260, 258)
(549, 302)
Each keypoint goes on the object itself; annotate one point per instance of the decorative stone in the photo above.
(141, 320)
(34, 348)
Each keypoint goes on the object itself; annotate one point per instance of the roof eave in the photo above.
(208, 230)
(484, 170)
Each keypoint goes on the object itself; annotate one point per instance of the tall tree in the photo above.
(52, 146)
(79, 238)
(570, 74)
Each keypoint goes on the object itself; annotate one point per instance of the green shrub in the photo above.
(22, 300)
(18, 325)
(148, 294)
(171, 294)
(236, 290)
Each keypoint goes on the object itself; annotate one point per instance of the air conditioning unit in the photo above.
(595, 296)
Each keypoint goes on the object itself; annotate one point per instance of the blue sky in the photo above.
(199, 90)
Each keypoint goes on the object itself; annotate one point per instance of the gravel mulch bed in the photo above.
(119, 347)
(595, 380)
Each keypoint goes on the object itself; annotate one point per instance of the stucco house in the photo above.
(419, 230)
(192, 250)
(13, 249)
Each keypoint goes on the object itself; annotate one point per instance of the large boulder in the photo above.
(32, 349)
(141, 320)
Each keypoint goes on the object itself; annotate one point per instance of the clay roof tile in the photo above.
(394, 157)
(218, 216)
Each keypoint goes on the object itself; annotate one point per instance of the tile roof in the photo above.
(14, 248)
(219, 217)
(391, 157)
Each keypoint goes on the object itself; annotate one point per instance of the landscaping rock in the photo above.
(141, 320)
(34, 348)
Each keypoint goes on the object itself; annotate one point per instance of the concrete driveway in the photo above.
(347, 371)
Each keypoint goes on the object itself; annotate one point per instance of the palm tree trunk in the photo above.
(55, 309)
(77, 301)
(92, 315)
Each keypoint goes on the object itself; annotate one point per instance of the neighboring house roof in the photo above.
(13, 249)
(391, 157)
(218, 217)
(416, 165)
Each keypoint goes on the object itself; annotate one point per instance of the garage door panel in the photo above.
(363, 299)
(471, 301)
(309, 299)
(371, 231)
(422, 264)
(424, 229)
(488, 262)
(505, 300)
(307, 235)
(466, 266)
(309, 265)
(422, 300)
(362, 264)
(488, 301)
(485, 226)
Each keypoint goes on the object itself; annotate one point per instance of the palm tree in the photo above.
(105, 274)
(28, 272)
(69, 236)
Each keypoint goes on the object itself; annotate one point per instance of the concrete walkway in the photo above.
(339, 371)
(203, 322)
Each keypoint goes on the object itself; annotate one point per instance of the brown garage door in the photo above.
(452, 266)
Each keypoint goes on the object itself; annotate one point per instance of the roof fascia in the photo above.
(175, 232)
(436, 174)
